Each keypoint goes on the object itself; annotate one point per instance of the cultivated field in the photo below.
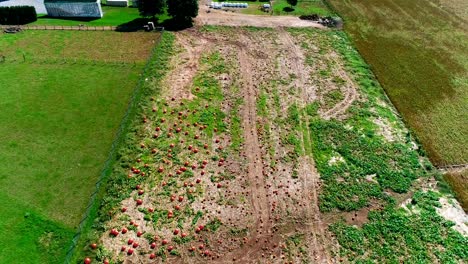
(62, 97)
(419, 52)
(269, 146)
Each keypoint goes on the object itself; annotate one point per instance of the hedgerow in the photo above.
(17, 15)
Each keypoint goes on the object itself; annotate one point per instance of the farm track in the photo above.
(207, 16)
(453, 168)
(350, 95)
(182, 77)
(307, 173)
(193, 45)
(252, 152)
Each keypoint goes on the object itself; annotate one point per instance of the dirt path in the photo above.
(350, 94)
(453, 168)
(223, 18)
(261, 236)
(252, 150)
(307, 172)
(181, 77)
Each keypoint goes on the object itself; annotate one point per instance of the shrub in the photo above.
(17, 15)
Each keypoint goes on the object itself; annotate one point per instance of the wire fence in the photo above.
(69, 61)
(452, 167)
(48, 27)
(131, 110)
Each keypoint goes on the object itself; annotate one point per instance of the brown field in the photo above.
(459, 181)
(419, 52)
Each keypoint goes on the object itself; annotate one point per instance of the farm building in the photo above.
(38, 4)
(74, 8)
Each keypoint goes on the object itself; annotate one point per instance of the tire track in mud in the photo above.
(307, 172)
(252, 150)
(351, 94)
(261, 233)
(182, 76)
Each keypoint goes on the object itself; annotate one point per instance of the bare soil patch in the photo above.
(207, 16)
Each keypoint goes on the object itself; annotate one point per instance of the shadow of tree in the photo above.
(169, 24)
(78, 19)
(173, 24)
(134, 25)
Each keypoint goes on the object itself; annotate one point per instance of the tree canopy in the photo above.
(292, 2)
(182, 10)
(151, 8)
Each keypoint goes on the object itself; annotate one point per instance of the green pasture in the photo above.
(113, 16)
(62, 97)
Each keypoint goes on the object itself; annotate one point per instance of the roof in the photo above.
(70, 1)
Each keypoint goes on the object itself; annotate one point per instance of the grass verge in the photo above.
(156, 69)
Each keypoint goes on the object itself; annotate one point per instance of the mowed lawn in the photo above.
(419, 52)
(113, 16)
(59, 112)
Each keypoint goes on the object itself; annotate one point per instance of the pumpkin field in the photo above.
(256, 145)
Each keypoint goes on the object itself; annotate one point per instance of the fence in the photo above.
(78, 28)
(62, 61)
(132, 107)
(452, 167)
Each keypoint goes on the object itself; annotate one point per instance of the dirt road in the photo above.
(208, 16)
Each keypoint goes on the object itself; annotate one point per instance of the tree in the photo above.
(182, 10)
(292, 2)
(151, 8)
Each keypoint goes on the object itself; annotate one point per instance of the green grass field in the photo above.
(113, 16)
(60, 107)
(419, 52)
